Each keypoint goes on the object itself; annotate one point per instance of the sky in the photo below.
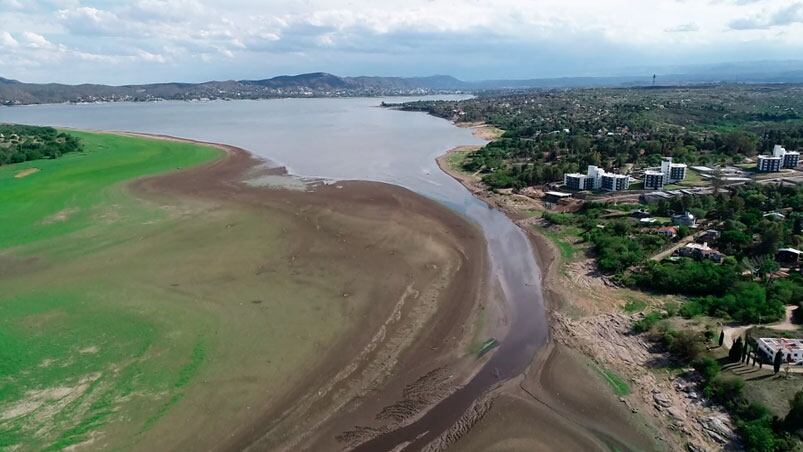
(143, 41)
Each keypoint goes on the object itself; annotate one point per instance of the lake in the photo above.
(350, 138)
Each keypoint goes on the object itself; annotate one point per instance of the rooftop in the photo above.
(788, 345)
(558, 194)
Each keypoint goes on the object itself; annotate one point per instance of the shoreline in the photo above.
(659, 411)
(420, 363)
(565, 419)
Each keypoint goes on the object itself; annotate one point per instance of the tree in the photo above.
(776, 363)
(794, 420)
(739, 142)
(721, 338)
(745, 350)
(735, 353)
(767, 266)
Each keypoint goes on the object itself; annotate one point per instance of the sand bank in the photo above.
(412, 274)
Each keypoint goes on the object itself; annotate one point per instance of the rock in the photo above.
(695, 448)
(717, 425)
(716, 437)
(661, 399)
(676, 413)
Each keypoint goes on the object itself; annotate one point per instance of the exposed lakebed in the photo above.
(351, 139)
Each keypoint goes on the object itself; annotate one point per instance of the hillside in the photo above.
(319, 84)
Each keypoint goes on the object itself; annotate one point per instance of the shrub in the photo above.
(559, 218)
(725, 390)
(708, 368)
(758, 436)
(646, 324)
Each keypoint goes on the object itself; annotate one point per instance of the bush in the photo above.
(559, 218)
(687, 277)
(758, 436)
(708, 368)
(745, 303)
(646, 324)
(794, 419)
(725, 390)
(685, 345)
(615, 252)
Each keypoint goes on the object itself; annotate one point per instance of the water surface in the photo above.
(350, 138)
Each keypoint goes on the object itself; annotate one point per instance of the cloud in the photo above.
(8, 41)
(91, 21)
(787, 15)
(37, 41)
(146, 40)
(683, 28)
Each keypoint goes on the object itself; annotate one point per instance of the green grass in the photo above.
(69, 193)
(634, 305)
(132, 322)
(76, 344)
(455, 160)
(560, 238)
(617, 383)
(487, 346)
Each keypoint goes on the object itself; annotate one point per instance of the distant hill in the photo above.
(318, 84)
(321, 84)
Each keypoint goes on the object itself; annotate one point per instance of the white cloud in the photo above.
(37, 41)
(786, 15)
(8, 41)
(234, 38)
(683, 28)
(91, 21)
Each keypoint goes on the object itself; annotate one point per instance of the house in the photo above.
(701, 251)
(668, 231)
(684, 219)
(791, 349)
(780, 158)
(774, 216)
(789, 256)
(709, 236)
(667, 173)
(647, 221)
(654, 196)
(640, 213)
(555, 196)
(596, 178)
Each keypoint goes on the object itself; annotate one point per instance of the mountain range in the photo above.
(321, 84)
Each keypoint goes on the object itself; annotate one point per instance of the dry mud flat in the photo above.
(411, 275)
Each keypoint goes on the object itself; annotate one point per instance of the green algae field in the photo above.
(71, 346)
(131, 320)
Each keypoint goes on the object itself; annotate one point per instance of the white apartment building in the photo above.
(667, 173)
(596, 179)
(780, 158)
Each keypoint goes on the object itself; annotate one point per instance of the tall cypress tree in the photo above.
(776, 363)
(735, 353)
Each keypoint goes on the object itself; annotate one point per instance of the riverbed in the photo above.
(351, 139)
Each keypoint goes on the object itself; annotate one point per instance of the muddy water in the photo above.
(351, 139)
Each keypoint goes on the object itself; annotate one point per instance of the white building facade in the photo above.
(791, 349)
(596, 179)
(780, 158)
(667, 173)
